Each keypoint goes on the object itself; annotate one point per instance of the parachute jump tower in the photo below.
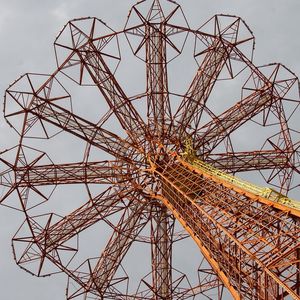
(159, 168)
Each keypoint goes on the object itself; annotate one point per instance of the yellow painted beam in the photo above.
(232, 185)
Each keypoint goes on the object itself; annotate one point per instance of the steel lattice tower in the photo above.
(158, 166)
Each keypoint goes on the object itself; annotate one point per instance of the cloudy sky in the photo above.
(27, 31)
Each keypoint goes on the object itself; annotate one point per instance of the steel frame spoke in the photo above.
(91, 133)
(191, 108)
(286, 142)
(265, 94)
(105, 172)
(130, 225)
(214, 132)
(249, 160)
(116, 98)
(102, 206)
(158, 103)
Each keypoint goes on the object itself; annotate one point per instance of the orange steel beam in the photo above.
(103, 172)
(191, 108)
(103, 78)
(214, 264)
(235, 246)
(249, 160)
(79, 127)
(221, 40)
(55, 235)
(130, 225)
(89, 53)
(158, 103)
(215, 131)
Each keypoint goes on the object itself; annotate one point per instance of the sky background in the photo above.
(27, 31)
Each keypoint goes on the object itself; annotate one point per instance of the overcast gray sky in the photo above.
(27, 31)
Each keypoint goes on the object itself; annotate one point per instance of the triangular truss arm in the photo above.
(105, 172)
(249, 160)
(191, 108)
(159, 108)
(52, 238)
(119, 103)
(102, 275)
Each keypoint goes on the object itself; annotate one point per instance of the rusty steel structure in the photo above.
(137, 173)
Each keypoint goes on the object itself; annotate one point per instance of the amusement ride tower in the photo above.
(158, 167)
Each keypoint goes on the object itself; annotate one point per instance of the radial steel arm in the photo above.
(130, 225)
(248, 161)
(105, 172)
(158, 103)
(102, 76)
(214, 132)
(286, 142)
(265, 94)
(83, 129)
(53, 236)
(94, 52)
(191, 108)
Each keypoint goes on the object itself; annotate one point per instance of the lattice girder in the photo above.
(252, 246)
(250, 242)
